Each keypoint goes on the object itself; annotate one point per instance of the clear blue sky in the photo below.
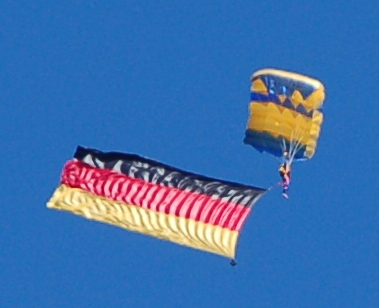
(170, 80)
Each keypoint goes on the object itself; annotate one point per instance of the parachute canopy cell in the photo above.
(155, 199)
(285, 113)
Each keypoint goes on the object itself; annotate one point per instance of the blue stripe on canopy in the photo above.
(264, 142)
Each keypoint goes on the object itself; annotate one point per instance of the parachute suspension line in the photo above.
(285, 150)
(284, 146)
(291, 147)
(294, 144)
(297, 144)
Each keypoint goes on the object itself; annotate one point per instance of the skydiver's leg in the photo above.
(286, 179)
(285, 189)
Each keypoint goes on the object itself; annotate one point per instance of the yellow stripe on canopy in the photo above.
(279, 121)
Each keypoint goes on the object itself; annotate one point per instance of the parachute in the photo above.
(285, 114)
(145, 196)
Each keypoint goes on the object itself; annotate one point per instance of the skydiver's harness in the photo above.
(285, 175)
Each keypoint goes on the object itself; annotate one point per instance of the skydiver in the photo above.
(285, 174)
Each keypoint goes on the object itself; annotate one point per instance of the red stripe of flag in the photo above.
(119, 187)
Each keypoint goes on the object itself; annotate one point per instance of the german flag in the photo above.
(155, 199)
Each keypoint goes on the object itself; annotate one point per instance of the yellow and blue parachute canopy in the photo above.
(285, 113)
